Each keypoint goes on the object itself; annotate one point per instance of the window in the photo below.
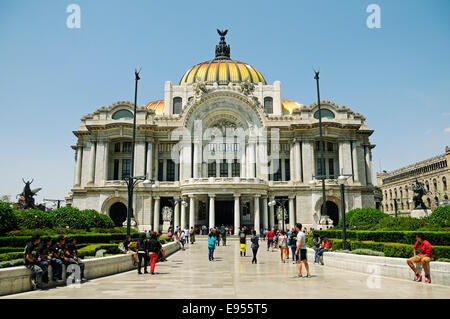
(126, 168)
(330, 147)
(212, 169)
(122, 114)
(325, 114)
(160, 170)
(287, 169)
(126, 147)
(277, 176)
(235, 168)
(444, 183)
(170, 170)
(320, 167)
(435, 185)
(223, 169)
(331, 167)
(116, 170)
(116, 147)
(268, 105)
(177, 101)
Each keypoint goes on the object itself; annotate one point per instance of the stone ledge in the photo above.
(383, 266)
(17, 279)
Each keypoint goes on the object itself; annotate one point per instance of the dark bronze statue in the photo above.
(26, 199)
(222, 49)
(419, 190)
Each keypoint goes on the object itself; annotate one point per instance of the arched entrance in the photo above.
(333, 212)
(118, 213)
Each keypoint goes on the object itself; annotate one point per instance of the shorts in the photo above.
(301, 255)
(419, 258)
(269, 242)
(242, 248)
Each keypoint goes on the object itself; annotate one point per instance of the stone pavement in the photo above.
(189, 274)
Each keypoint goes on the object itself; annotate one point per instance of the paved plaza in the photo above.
(189, 274)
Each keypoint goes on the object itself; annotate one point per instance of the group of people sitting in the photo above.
(40, 253)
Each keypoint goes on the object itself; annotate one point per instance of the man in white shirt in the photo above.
(300, 252)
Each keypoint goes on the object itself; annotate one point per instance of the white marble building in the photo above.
(225, 168)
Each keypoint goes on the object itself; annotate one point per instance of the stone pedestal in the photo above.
(166, 226)
(420, 213)
(133, 223)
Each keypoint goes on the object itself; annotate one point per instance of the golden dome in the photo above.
(157, 106)
(288, 106)
(223, 72)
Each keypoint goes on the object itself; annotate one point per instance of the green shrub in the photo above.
(365, 217)
(71, 217)
(402, 223)
(96, 219)
(11, 256)
(12, 263)
(34, 218)
(11, 249)
(440, 216)
(8, 220)
(91, 250)
(368, 252)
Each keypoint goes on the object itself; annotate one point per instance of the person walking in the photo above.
(182, 239)
(186, 234)
(192, 235)
(141, 246)
(242, 241)
(154, 248)
(255, 246)
(270, 234)
(282, 243)
(224, 236)
(293, 244)
(300, 252)
(211, 244)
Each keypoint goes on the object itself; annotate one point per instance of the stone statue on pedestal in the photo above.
(167, 214)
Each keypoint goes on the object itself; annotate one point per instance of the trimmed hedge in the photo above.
(11, 256)
(68, 231)
(364, 217)
(389, 249)
(402, 237)
(440, 216)
(90, 250)
(34, 218)
(4, 250)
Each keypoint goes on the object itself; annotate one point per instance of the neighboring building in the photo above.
(230, 180)
(396, 185)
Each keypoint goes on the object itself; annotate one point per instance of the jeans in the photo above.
(255, 251)
(293, 249)
(318, 254)
(57, 268)
(36, 273)
(140, 256)
(211, 253)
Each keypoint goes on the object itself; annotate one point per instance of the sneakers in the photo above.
(299, 276)
(33, 284)
(428, 280)
(321, 260)
(418, 278)
(308, 276)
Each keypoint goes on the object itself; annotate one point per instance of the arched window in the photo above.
(177, 104)
(444, 183)
(427, 185)
(325, 114)
(122, 114)
(435, 185)
(429, 202)
(268, 105)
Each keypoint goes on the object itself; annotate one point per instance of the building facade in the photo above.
(396, 185)
(227, 142)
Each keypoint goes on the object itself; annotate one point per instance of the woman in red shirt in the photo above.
(324, 246)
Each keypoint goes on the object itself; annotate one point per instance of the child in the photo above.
(211, 245)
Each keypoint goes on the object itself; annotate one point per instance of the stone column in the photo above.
(252, 160)
(101, 162)
(106, 162)
(156, 214)
(191, 211)
(292, 161)
(264, 160)
(92, 164)
(355, 162)
(212, 213)
(183, 217)
(156, 162)
(148, 218)
(257, 215)
(237, 214)
(197, 159)
(291, 212)
(368, 164)
(243, 163)
(265, 213)
(139, 158)
(78, 167)
(177, 214)
(149, 160)
(298, 166)
(308, 161)
(271, 214)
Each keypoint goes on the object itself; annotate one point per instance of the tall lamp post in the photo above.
(342, 180)
(174, 202)
(282, 202)
(321, 145)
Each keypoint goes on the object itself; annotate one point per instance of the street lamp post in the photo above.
(321, 145)
(342, 180)
(282, 202)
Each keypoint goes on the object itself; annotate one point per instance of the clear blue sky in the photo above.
(50, 76)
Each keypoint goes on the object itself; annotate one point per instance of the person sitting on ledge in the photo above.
(58, 257)
(33, 262)
(424, 257)
(72, 255)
